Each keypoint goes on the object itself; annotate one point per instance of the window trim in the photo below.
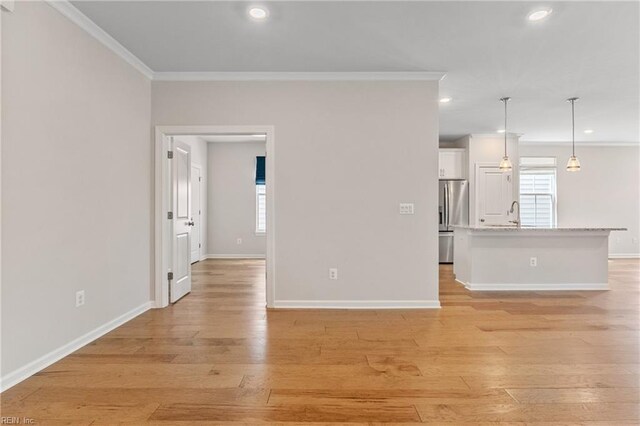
(554, 195)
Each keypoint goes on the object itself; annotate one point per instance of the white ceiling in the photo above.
(488, 49)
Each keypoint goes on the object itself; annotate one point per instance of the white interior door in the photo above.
(494, 194)
(196, 218)
(180, 285)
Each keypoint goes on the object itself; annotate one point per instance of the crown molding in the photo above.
(581, 143)
(300, 76)
(7, 5)
(73, 14)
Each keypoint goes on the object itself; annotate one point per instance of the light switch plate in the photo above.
(406, 208)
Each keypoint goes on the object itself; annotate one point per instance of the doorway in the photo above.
(171, 187)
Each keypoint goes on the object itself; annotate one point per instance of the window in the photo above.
(261, 209)
(261, 196)
(538, 191)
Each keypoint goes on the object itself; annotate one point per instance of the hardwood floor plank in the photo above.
(388, 396)
(554, 381)
(530, 412)
(218, 357)
(330, 413)
(162, 395)
(575, 395)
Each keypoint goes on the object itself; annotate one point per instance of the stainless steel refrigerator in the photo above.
(453, 210)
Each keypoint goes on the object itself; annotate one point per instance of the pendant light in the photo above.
(573, 165)
(505, 164)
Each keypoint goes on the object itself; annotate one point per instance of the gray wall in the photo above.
(346, 154)
(606, 192)
(76, 196)
(232, 200)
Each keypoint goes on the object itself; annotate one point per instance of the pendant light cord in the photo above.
(505, 127)
(505, 100)
(573, 128)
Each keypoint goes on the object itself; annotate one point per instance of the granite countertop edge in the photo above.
(526, 228)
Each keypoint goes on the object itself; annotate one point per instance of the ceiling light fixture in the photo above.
(258, 13)
(588, 131)
(505, 163)
(573, 165)
(445, 100)
(539, 14)
(500, 131)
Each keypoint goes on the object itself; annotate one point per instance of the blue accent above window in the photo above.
(261, 178)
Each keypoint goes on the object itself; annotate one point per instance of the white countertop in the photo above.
(530, 228)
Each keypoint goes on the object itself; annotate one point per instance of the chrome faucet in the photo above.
(517, 221)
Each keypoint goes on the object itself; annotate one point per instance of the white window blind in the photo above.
(261, 208)
(538, 194)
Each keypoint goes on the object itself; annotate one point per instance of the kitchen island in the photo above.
(521, 258)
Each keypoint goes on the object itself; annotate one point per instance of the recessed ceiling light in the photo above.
(501, 131)
(445, 100)
(258, 13)
(588, 131)
(539, 14)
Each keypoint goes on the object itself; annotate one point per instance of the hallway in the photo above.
(219, 355)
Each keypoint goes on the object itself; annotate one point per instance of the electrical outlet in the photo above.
(79, 298)
(239, 241)
(333, 273)
(406, 208)
(533, 261)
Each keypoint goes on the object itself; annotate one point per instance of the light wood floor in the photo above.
(219, 357)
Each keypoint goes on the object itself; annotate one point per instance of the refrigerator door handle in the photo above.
(446, 206)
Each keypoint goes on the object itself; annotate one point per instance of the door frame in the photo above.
(199, 167)
(162, 228)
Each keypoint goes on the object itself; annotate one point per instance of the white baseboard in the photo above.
(357, 304)
(536, 286)
(22, 373)
(234, 256)
(624, 255)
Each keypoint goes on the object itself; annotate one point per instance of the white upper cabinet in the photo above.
(452, 163)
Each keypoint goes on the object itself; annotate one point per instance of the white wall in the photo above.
(232, 200)
(346, 154)
(199, 148)
(606, 192)
(76, 196)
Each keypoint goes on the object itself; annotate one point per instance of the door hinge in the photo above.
(169, 155)
(199, 245)
(200, 179)
(169, 276)
(169, 215)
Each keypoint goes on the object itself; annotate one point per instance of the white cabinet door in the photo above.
(182, 223)
(494, 195)
(451, 164)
